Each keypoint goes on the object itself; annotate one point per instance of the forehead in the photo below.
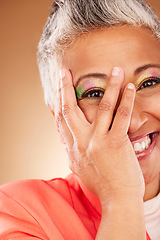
(127, 46)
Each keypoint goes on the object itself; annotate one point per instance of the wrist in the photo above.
(123, 199)
(123, 213)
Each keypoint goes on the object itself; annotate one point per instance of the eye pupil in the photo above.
(149, 83)
(93, 94)
(96, 94)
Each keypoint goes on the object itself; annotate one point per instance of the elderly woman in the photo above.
(100, 67)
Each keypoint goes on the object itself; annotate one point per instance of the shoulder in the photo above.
(33, 207)
(35, 190)
(46, 209)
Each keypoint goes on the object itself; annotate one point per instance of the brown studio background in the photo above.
(29, 146)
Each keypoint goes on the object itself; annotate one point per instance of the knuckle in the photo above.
(118, 142)
(113, 84)
(59, 118)
(96, 146)
(64, 85)
(114, 141)
(81, 150)
(105, 106)
(123, 112)
(66, 110)
(115, 144)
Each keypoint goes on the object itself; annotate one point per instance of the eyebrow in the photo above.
(104, 76)
(143, 68)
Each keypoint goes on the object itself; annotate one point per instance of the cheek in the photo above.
(89, 111)
(151, 105)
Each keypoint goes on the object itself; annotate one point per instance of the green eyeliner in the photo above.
(90, 84)
(79, 92)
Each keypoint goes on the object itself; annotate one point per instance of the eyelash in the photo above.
(101, 91)
(152, 80)
(91, 91)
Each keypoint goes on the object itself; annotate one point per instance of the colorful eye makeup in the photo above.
(94, 88)
(150, 75)
(89, 84)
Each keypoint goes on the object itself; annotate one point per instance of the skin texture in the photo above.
(98, 131)
(130, 48)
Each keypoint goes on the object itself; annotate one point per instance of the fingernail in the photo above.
(62, 73)
(130, 86)
(115, 71)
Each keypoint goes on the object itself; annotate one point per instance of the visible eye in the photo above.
(149, 83)
(95, 93)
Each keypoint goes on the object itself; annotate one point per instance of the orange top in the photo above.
(50, 210)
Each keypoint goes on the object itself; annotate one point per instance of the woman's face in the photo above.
(92, 57)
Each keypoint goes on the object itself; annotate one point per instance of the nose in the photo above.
(138, 118)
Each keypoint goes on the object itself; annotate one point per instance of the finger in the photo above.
(108, 103)
(72, 114)
(60, 121)
(123, 115)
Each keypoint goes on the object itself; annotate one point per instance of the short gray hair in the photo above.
(71, 18)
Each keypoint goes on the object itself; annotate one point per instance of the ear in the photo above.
(57, 127)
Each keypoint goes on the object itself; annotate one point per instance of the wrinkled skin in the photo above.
(97, 131)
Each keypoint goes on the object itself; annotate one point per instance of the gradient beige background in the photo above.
(29, 145)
